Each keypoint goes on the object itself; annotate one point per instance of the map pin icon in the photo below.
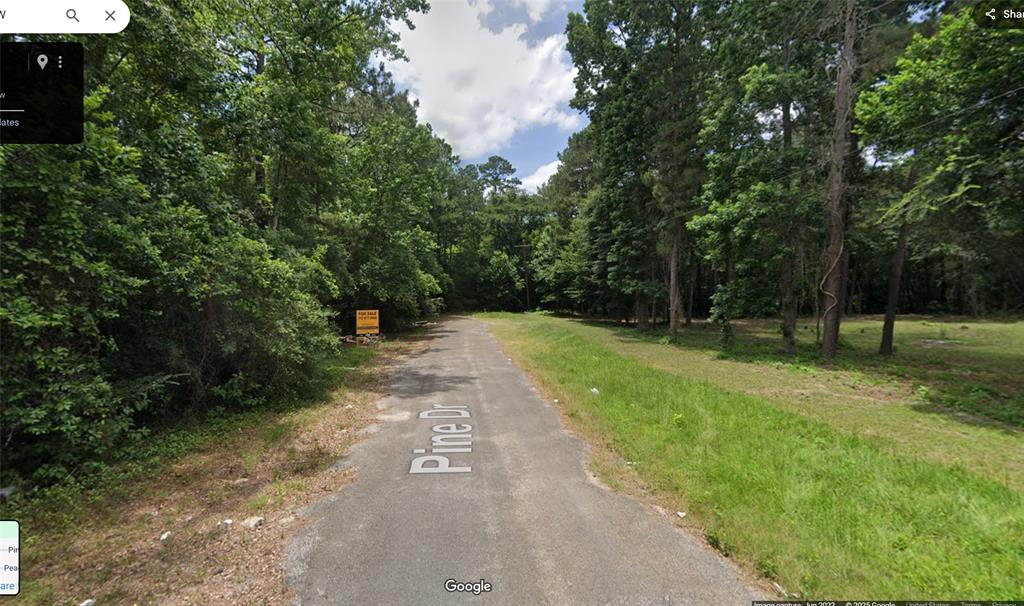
(42, 61)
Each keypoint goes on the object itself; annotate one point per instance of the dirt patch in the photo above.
(124, 554)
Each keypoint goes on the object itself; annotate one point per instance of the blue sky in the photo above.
(493, 77)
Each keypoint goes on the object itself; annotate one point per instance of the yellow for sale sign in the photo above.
(367, 322)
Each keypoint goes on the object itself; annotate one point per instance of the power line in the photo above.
(879, 7)
(981, 103)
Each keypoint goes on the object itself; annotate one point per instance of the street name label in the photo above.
(449, 438)
(10, 557)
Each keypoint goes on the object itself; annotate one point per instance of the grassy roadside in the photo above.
(102, 539)
(965, 367)
(894, 402)
(824, 512)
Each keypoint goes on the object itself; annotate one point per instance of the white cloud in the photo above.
(479, 88)
(484, 7)
(536, 8)
(540, 176)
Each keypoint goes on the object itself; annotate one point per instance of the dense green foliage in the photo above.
(250, 177)
(708, 149)
(952, 113)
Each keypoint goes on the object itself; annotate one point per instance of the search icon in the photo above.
(72, 14)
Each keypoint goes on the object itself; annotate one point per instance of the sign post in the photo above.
(367, 322)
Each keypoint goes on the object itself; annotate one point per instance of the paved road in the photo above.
(526, 518)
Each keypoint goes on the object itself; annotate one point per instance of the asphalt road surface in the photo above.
(506, 501)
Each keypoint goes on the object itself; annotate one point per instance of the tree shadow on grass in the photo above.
(949, 377)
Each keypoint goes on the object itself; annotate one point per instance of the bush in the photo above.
(118, 307)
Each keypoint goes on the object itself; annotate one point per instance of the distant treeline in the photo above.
(787, 157)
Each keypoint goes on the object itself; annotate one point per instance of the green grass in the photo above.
(258, 503)
(273, 434)
(888, 401)
(826, 512)
(960, 366)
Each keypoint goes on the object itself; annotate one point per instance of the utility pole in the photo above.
(833, 283)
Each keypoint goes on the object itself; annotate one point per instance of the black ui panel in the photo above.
(40, 92)
(999, 14)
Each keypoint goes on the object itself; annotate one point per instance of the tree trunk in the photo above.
(832, 285)
(787, 281)
(279, 175)
(896, 263)
(691, 285)
(643, 311)
(789, 302)
(893, 299)
(260, 170)
(526, 268)
(674, 299)
(852, 287)
(971, 298)
(729, 266)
